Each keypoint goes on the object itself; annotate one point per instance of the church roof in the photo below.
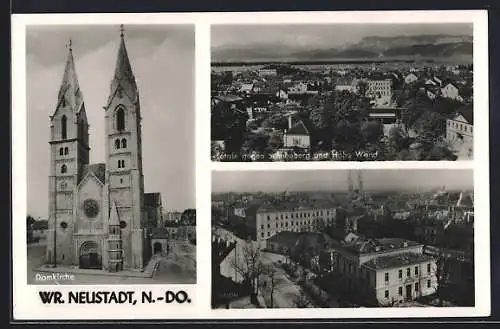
(114, 218)
(69, 92)
(98, 169)
(123, 77)
(152, 199)
(298, 129)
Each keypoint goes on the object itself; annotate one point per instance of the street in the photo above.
(177, 268)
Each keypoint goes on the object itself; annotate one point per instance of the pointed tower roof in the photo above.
(114, 219)
(69, 92)
(124, 77)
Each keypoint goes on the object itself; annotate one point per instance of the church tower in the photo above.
(123, 147)
(69, 153)
(114, 241)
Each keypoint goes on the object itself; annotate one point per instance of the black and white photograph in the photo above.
(110, 154)
(342, 92)
(343, 238)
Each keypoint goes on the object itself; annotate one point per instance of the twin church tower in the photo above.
(97, 217)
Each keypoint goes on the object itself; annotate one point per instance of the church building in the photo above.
(98, 218)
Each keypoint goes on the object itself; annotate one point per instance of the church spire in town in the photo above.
(123, 77)
(69, 92)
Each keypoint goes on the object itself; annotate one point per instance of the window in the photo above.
(400, 291)
(386, 294)
(119, 163)
(262, 227)
(121, 180)
(124, 143)
(268, 233)
(61, 151)
(120, 119)
(428, 283)
(117, 143)
(66, 151)
(400, 274)
(429, 268)
(123, 224)
(408, 272)
(416, 286)
(63, 169)
(63, 127)
(262, 234)
(268, 217)
(268, 225)
(386, 277)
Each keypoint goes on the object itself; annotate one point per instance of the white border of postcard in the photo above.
(27, 304)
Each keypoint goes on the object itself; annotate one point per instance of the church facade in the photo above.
(97, 213)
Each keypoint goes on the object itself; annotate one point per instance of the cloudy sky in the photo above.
(162, 58)
(336, 180)
(303, 35)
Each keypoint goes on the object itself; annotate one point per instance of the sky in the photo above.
(303, 35)
(336, 180)
(162, 58)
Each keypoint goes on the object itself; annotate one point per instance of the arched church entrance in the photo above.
(157, 248)
(90, 258)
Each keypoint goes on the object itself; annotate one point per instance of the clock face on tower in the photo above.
(91, 208)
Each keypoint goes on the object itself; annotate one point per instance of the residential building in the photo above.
(297, 136)
(410, 78)
(386, 271)
(451, 91)
(460, 129)
(267, 72)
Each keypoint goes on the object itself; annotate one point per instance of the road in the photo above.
(178, 267)
(286, 292)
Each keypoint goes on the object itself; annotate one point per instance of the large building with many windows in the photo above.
(272, 220)
(385, 271)
(97, 212)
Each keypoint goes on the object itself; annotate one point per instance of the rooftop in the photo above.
(379, 245)
(405, 259)
(298, 129)
(98, 169)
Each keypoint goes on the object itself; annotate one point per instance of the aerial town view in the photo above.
(342, 238)
(351, 92)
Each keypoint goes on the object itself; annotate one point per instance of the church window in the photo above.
(63, 169)
(119, 163)
(117, 143)
(123, 224)
(61, 151)
(66, 151)
(63, 127)
(124, 143)
(120, 119)
(123, 163)
(63, 225)
(121, 180)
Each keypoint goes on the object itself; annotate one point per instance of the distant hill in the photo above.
(440, 48)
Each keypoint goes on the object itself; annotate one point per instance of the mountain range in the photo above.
(436, 47)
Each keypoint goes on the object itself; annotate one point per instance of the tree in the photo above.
(372, 131)
(270, 284)
(362, 88)
(249, 266)
(301, 301)
(442, 272)
(29, 228)
(188, 217)
(228, 124)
